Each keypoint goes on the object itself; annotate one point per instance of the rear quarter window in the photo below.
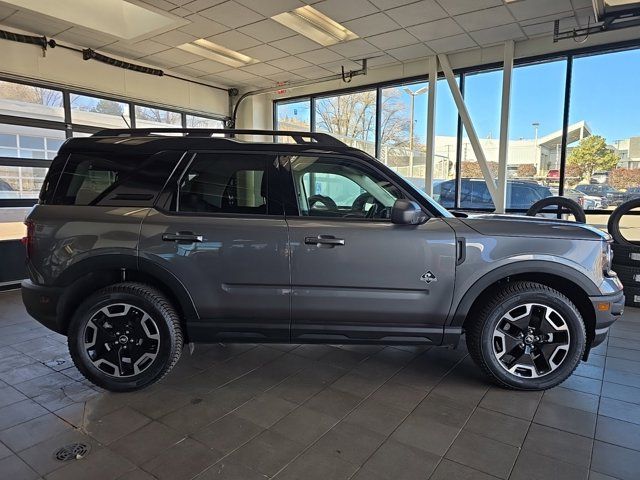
(110, 179)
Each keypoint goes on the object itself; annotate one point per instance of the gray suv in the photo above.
(141, 242)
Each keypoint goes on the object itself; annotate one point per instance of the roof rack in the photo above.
(298, 137)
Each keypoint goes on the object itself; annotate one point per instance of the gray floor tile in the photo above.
(534, 466)
(14, 468)
(186, 460)
(349, 442)
(40, 457)
(483, 453)
(498, 426)
(136, 474)
(566, 418)
(9, 395)
(377, 417)
(304, 425)
(225, 470)
(19, 412)
(517, 404)
(227, 433)
(616, 461)
(395, 460)
(426, 433)
(628, 412)
(572, 398)
(564, 446)
(147, 442)
(4, 451)
(100, 464)
(398, 396)
(115, 425)
(317, 466)
(625, 353)
(623, 378)
(583, 384)
(357, 385)
(267, 453)
(448, 470)
(333, 402)
(265, 410)
(621, 392)
(618, 432)
(31, 432)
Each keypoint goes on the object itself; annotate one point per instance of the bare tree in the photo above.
(29, 94)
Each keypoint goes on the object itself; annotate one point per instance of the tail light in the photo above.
(29, 240)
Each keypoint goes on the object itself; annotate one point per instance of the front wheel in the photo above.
(125, 337)
(528, 337)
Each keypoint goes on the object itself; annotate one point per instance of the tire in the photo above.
(626, 255)
(632, 296)
(130, 319)
(490, 346)
(629, 276)
(613, 225)
(566, 203)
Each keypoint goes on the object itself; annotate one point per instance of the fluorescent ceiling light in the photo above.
(118, 18)
(216, 52)
(312, 24)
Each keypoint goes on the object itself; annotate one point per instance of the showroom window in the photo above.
(27, 101)
(293, 116)
(99, 112)
(194, 121)
(148, 117)
(351, 118)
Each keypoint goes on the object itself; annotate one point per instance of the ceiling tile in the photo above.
(312, 72)
(209, 66)
(452, 44)
(232, 14)
(290, 63)
(264, 53)
(188, 70)
(491, 17)
(491, 36)
(285, 76)
(84, 37)
(446, 27)
(527, 9)
(336, 67)
(261, 69)
(387, 4)
(415, 13)
(236, 74)
(161, 4)
(174, 38)
(323, 55)
(267, 30)
(181, 12)
(457, 7)
(36, 23)
(170, 58)
(234, 40)
(411, 52)
(202, 27)
(271, 7)
(198, 5)
(381, 61)
(180, 2)
(577, 4)
(584, 17)
(6, 11)
(355, 48)
(218, 80)
(399, 38)
(371, 25)
(294, 45)
(341, 10)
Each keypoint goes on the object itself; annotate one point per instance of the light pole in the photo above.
(535, 126)
(413, 96)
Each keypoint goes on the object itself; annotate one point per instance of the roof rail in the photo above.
(298, 137)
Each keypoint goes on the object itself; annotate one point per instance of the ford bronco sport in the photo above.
(141, 242)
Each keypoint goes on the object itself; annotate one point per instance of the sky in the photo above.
(605, 92)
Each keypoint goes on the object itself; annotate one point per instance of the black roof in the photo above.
(155, 140)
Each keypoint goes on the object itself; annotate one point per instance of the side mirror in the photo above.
(406, 212)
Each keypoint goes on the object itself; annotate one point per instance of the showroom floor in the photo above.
(314, 412)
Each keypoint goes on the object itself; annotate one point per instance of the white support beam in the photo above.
(503, 151)
(431, 125)
(468, 125)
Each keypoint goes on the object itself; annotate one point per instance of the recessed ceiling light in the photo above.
(216, 52)
(118, 18)
(312, 24)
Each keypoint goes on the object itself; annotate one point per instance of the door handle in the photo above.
(182, 237)
(324, 240)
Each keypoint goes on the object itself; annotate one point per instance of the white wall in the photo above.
(67, 68)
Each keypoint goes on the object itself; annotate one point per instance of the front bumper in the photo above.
(42, 304)
(606, 316)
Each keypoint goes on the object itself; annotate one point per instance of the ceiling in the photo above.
(390, 31)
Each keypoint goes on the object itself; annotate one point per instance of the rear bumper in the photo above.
(606, 317)
(42, 304)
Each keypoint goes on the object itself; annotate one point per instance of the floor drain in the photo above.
(74, 451)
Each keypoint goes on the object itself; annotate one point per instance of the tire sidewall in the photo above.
(576, 345)
(76, 341)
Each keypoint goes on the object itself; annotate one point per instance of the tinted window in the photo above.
(111, 179)
(330, 187)
(217, 183)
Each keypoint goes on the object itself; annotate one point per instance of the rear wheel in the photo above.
(125, 337)
(527, 337)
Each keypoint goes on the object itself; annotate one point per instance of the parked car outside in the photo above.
(614, 197)
(599, 178)
(142, 242)
(474, 194)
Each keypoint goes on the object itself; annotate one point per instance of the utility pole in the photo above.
(413, 96)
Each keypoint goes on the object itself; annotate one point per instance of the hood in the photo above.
(521, 226)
